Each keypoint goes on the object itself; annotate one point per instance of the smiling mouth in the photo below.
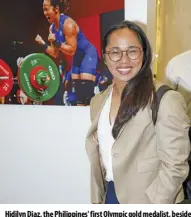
(124, 71)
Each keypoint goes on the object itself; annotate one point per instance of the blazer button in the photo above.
(116, 155)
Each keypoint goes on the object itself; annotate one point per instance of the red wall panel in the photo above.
(86, 8)
(90, 26)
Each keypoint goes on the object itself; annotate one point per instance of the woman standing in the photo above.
(133, 161)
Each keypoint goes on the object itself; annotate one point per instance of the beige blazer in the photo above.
(149, 163)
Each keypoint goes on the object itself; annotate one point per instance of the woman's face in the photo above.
(125, 68)
(49, 11)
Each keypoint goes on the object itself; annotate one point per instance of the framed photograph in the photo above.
(50, 50)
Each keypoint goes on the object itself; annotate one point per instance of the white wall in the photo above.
(42, 154)
(143, 12)
(136, 10)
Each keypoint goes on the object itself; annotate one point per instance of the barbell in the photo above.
(37, 75)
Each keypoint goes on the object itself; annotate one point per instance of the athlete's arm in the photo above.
(70, 30)
(51, 49)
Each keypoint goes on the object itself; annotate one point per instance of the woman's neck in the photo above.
(119, 87)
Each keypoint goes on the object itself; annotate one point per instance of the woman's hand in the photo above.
(51, 37)
(39, 39)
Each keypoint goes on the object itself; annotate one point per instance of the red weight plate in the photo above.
(6, 79)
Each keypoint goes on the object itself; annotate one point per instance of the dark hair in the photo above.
(64, 5)
(139, 91)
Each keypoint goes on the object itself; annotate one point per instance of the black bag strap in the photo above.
(159, 94)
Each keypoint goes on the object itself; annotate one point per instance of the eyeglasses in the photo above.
(116, 54)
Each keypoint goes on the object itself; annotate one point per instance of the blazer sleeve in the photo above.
(91, 109)
(173, 148)
(96, 178)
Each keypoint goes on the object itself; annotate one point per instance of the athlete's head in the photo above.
(53, 8)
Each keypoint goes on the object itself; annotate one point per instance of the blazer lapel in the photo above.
(98, 107)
